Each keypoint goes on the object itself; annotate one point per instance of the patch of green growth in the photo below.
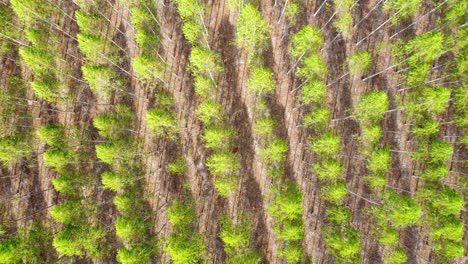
(402, 9)
(162, 122)
(359, 63)
(205, 62)
(252, 29)
(148, 68)
(275, 152)
(261, 81)
(210, 112)
(101, 79)
(14, 147)
(177, 167)
(306, 42)
(218, 138)
(313, 67)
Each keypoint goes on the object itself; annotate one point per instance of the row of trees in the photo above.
(96, 44)
(218, 135)
(66, 154)
(342, 240)
(252, 37)
(344, 20)
(41, 56)
(207, 67)
(121, 153)
(396, 211)
(424, 105)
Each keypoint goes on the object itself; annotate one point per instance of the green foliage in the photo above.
(379, 161)
(76, 241)
(66, 184)
(460, 100)
(451, 249)
(113, 125)
(313, 67)
(318, 119)
(162, 122)
(252, 29)
(109, 151)
(38, 60)
(190, 9)
(338, 214)
(292, 252)
(290, 230)
(435, 172)
(370, 136)
(402, 9)
(287, 203)
(223, 163)
(97, 49)
(306, 42)
(178, 167)
(344, 243)
(185, 245)
(204, 86)
(359, 63)
(186, 248)
(432, 100)
(328, 170)
(27, 246)
(344, 23)
(388, 236)
(444, 201)
(455, 13)
(66, 212)
(376, 180)
(38, 37)
(130, 228)
(30, 11)
(235, 235)
(334, 193)
(210, 112)
(148, 68)
(134, 255)
(401, 210)
(147, 40)
(12, 148)
(398, 256)
(89, 21)
(425, 48)
(448, 228)
(265, 127)
(314, 92)
(114, 181)
(126, 202)
(181, 214)
(57, 158)
(52, 135)
(101, 78)
(218, 138)
(426, 128)
(205, 62)
(141, 17)
(46, 88)
(441, 151)
(371, 108)
(261, 81)
(225, 185)
(193, 32)
(275, 152)
(329, 144)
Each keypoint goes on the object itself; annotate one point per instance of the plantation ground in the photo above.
(27, 192)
